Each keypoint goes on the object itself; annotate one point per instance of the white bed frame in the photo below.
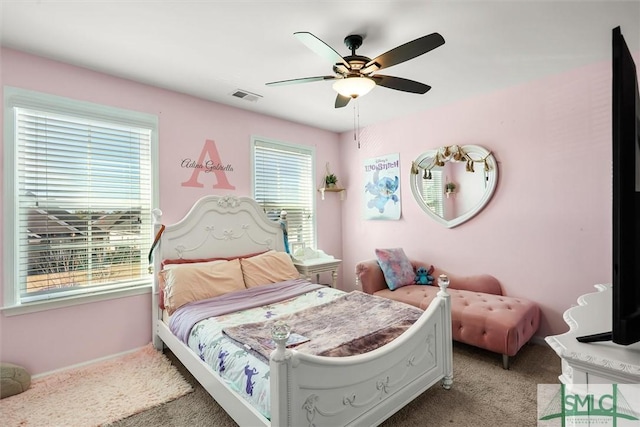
(306, 390)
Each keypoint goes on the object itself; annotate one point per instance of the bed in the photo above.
(302, 388)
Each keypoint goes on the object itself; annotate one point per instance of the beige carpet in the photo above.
(483, 395)
(97, 394)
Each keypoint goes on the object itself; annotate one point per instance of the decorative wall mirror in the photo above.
(453, 183)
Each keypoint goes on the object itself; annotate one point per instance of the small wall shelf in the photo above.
(322, 190)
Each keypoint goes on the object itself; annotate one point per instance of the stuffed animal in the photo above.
(423, 276)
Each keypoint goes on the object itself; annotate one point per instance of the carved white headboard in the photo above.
(218, 226)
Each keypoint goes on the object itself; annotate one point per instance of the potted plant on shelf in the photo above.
(450, 187)
(330, 180)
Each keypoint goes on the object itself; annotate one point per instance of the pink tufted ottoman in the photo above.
(481, 316)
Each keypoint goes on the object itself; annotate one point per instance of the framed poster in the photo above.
(382, 187)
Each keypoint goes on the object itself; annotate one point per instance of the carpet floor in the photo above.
(96, 394)
(483, 395)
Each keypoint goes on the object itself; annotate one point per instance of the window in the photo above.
(283, 179)
(432, 191)
(82, 192)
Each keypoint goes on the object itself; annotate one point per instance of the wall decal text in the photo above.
(212, 166)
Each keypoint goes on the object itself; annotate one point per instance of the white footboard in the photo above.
(365, 390)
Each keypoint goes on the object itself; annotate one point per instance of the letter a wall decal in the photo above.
(212, 166)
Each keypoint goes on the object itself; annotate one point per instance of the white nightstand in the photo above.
(316, 263)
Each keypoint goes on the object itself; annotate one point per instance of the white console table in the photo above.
(597, 362)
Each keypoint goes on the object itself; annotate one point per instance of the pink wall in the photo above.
(54, 339)
(546, 234)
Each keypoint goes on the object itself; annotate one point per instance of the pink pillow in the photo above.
(169, 264)
(396, 267)
(187, 283)
(270, 267)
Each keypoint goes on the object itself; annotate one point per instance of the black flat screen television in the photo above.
(625, 327)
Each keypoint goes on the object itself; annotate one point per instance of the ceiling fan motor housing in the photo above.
(353, 42)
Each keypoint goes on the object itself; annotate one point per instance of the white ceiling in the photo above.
(211, 48)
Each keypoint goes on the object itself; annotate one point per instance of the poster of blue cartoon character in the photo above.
(383, 190)
(382, 187)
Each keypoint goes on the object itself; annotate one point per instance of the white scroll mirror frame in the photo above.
(427, 161)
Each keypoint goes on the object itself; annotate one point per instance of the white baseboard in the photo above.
(83, 364)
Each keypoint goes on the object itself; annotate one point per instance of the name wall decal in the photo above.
(209, 162)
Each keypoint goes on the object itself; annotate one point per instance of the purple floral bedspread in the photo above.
(355, 323)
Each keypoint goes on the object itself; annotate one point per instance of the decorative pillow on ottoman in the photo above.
(396, 267)
(14, 379)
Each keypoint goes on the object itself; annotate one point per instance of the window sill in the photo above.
(34, 307)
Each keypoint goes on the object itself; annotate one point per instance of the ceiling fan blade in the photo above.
(342, 101)
(398, 83)
(404, 52)
(321, 48)
(302, 80)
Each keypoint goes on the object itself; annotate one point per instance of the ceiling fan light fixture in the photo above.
(354, 87)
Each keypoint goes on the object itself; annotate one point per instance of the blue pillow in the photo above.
(396, 267)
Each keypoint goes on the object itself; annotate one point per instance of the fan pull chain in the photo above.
(356, 122)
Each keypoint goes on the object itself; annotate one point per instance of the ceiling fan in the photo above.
(355, 75)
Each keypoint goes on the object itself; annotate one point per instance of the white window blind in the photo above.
(83, 200)
(283, 180)
(432, 193)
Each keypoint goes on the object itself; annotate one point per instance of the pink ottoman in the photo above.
(494, 322)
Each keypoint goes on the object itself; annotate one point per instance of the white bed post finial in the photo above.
(280, 332)
(443, 282)
(157, 216)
